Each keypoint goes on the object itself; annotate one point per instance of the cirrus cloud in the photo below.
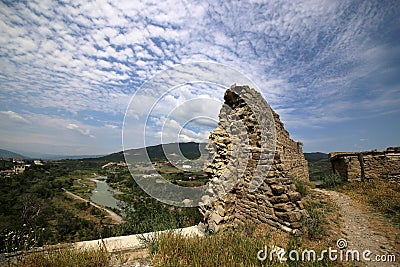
(320, 63)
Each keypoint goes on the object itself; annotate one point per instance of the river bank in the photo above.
(103, 194)
(115, 217)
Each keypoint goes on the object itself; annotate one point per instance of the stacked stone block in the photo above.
(375, 164)
(254, 165)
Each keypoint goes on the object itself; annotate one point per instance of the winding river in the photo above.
(102, 194)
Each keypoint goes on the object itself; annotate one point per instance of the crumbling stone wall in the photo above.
(262, 188)
(356, 166)
(291, 153)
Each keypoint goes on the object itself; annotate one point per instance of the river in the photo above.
(102, 194)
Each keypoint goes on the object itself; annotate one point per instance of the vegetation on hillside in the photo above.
(318, 165)
(143, 213)
(190, 150)
(35, 211)
(9, 154)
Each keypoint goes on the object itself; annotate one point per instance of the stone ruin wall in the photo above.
(290, 152)
(275, 202)
(353, 166)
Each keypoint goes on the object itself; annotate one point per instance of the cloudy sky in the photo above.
(68, 70)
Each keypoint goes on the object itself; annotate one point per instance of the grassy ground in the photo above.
(381, 195)
(239, 247)
(63, 257)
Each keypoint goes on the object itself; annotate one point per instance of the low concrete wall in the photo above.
(120, 243)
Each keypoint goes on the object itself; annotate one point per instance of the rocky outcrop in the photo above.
(358, 166)
(253, 167)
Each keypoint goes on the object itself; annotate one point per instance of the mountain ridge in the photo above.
(155, 152)
(191, 150)
(10, 154)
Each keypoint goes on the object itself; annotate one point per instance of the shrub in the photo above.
(313, 223)
(302, 187)
(332, 180)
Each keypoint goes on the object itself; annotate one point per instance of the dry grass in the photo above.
(380, 195)
(230, 248)
(239, 247)
(63, 257)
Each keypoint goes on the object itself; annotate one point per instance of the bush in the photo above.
(332, 180)
(152, 216)
(302, 187)
(313, 223)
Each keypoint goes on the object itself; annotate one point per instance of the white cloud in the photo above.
(15, 117)
(111, 126)
(306, 56)
(48, 134)
(85, 132)
(172, 131)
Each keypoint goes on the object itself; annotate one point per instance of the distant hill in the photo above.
(9, 154)
(60, 157)
(315, 156)
(318, 162)
(190, 150)
(318, 165)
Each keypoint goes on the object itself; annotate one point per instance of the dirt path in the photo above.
(115, 217)
(364, 230)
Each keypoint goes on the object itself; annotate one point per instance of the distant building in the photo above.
(18, 169)
(112, 164)
(18, 160)
(165, 164)
(105, 166)
(150, 175)
(37, 162)
(7, 173)
(186, 166)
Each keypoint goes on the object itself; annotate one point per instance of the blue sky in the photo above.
(68, 70)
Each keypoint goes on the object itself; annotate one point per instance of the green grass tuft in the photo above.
(332, 180)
